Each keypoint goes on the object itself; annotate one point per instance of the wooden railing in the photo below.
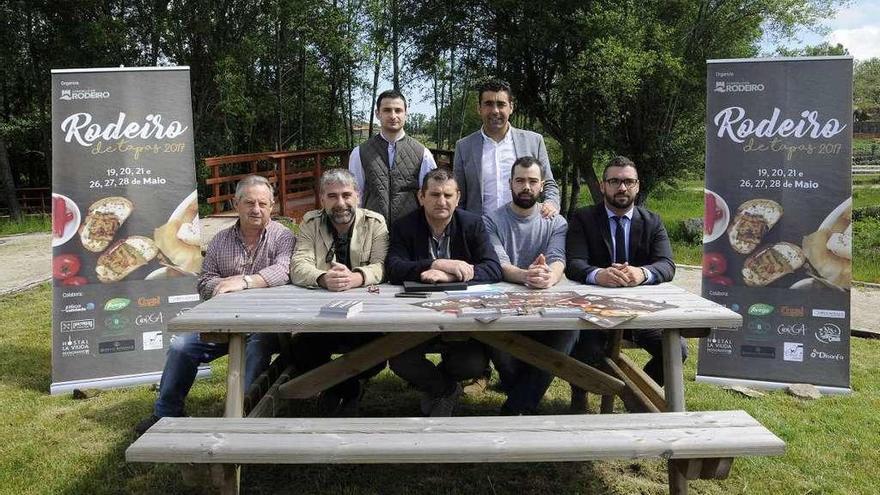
(32, 200)
(294, 174)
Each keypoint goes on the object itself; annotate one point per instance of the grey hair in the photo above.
(337, 176)
(252, 180)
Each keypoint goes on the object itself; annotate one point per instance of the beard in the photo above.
(622, 200)
(525, 200)
(342, 215)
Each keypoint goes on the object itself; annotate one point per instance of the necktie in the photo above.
(619, 241)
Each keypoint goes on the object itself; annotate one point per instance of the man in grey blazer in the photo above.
(483, 159)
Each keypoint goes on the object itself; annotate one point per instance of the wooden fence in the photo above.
(294, 175)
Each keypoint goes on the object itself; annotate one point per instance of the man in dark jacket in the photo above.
(618, 244)
(438, 243)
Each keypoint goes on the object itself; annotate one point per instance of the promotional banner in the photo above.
(777, 237)
(125, 225)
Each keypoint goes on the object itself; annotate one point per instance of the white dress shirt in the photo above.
(498, 157)
(357, 169)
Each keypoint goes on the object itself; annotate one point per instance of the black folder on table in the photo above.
(438, 287)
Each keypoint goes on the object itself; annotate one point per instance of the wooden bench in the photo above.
(698, 445)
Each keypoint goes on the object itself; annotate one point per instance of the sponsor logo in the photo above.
(149, 302)
(116, 304)
(116, 323)
(793, 351)
(794, 329)
(152, 340)
(77, 325)
(78, 308)
(792, 311)
(829, 313)
(71, 294)
(758, 330)
(182, 311)
(74, 347)
(827, 356)
(183, 298)
(828, 333)
(734, 307)
(112, 346)
(760, 309)
(758, 351)
(737, 87)
(148, 319)
(83, 94)
(719, 345)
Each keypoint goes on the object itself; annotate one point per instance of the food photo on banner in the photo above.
(125, 226)
(777, 233)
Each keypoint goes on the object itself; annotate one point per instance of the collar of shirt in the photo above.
(401, 136)
(507, 139)
(628, 214)
(240, 237)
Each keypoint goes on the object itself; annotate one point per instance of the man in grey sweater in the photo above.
(531, 248)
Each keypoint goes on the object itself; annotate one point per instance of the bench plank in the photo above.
(454, 440)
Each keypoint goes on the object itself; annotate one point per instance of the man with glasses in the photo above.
(618, 244)
(339, 247)
(252, 254)
(440, 243)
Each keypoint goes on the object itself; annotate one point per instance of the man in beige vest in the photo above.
(389, 167)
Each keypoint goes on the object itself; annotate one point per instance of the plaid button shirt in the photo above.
(227, 256)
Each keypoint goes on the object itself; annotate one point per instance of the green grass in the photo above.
(28, 224)
(54, 444)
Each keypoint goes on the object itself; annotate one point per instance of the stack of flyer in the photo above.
(342, 309)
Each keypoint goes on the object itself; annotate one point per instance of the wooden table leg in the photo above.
(612, 352)
(234, 405)
(673, 384)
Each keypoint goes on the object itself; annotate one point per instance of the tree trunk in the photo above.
(8, 183)
(449, 112)
(377, 66)
(395, 44)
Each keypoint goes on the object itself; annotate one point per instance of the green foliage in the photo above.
(866, 89)
(28, 224)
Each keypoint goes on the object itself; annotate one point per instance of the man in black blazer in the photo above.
(618, 244)
(439, 243)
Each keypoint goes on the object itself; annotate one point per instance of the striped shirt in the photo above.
(227, 255)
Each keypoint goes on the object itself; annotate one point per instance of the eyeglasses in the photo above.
(330, 254)
(615, 183)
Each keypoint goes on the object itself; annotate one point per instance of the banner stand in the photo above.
(758, 384)
(117, 381)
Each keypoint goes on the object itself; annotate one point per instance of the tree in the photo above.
(866, 89)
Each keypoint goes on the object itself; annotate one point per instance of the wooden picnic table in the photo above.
(404, 326)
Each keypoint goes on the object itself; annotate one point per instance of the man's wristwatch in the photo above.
(247, 281)
(647, 274)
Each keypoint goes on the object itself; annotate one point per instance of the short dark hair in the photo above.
(618, 161)
(390, 94)
(494, 85)
(440, 174)
(526, 162)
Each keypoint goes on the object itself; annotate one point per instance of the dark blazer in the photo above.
(409, 253)
(588, 246)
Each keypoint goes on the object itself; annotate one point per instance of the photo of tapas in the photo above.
(715, 217)
(103, 220)
(829, 248)
(179, 239)
(124, 257)
(752, 220)
(65, 219)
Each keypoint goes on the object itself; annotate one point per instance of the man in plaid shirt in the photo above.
(253, 253)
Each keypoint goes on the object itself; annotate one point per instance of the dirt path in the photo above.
(24, 261)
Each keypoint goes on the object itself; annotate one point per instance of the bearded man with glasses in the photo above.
(618, 244)
(339, 247)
